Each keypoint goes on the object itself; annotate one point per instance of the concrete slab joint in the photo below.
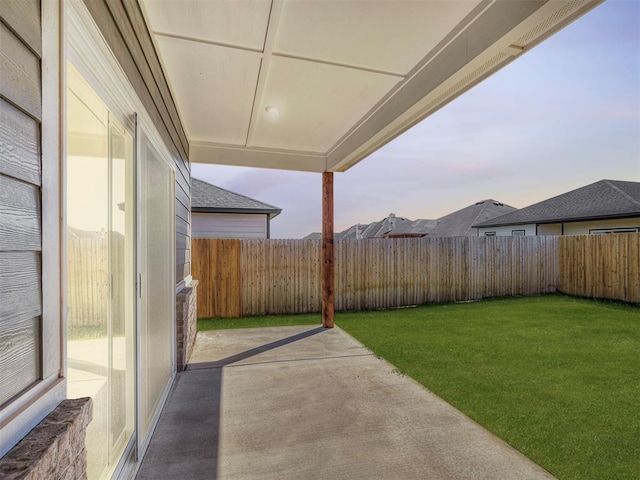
(55, 448)
(186, 322)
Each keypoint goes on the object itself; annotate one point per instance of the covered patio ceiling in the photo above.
(347, 76)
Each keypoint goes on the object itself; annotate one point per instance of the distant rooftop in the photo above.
(208, 198)
(461, 222)
(600, 200)
(458, 223)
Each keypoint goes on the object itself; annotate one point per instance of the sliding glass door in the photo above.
(101, 270)
(157, 233)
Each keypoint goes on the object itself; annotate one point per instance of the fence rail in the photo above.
(283, 276)
(256, 277)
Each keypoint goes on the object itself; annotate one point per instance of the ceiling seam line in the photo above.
(269, 43)
(253, 104)
(296, 153)
(337, 64)
(207, 42)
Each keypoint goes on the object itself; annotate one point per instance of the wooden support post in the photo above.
(328, 275)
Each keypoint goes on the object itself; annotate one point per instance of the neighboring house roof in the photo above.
(417, 228)
(207, 198)
(460, 222)
(373, 230)
(600, 200)
(313, 236)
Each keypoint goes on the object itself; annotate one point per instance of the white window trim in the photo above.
(90, 54)
(600, 231)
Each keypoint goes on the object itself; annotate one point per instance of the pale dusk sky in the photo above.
(562, 116)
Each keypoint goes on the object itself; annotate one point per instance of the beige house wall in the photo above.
(584, 228)
(507, 231)
(570, 228)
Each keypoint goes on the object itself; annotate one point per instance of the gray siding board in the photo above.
(19, 356)
(182, 226)
(183, 182)
(182, 271)
(19, 74)
(182, 196)
(20, 224)
(20, 279)
(20, 196)
(23, 16)
(182, 241)
(183, 256)
(181, 211)
(19, 145)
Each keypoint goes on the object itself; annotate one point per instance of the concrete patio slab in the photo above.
(311, 403)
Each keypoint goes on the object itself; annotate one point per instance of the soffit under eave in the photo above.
(454, 70)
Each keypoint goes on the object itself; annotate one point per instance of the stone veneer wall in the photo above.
(55, 448)
(186, 322)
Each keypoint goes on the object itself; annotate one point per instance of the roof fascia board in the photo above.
(251, 211)
(210, 153)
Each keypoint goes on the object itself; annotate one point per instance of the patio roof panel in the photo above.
(348, 76)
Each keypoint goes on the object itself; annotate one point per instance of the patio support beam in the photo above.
(328, 276)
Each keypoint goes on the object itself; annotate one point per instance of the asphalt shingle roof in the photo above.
(417, 227)
(460, 222)
(603, 199)
(207, 198)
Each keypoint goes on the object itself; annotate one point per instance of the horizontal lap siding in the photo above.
(122, 24)
(221, 225)
(20, 197)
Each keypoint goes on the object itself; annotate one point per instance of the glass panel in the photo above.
(121, 236)
(156, 323)
(101, 272)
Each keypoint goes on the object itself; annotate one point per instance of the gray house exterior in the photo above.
(220, 213)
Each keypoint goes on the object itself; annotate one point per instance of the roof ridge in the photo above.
(238, 194)
(484, 207)
(624, 194)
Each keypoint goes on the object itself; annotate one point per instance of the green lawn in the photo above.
(556, 377)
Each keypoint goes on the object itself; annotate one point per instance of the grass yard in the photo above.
(556, 377)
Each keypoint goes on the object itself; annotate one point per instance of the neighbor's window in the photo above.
(517, 233)
(489, 234)
(598, 231)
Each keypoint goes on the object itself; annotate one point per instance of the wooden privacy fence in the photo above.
(257, 277)
(601, 266)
